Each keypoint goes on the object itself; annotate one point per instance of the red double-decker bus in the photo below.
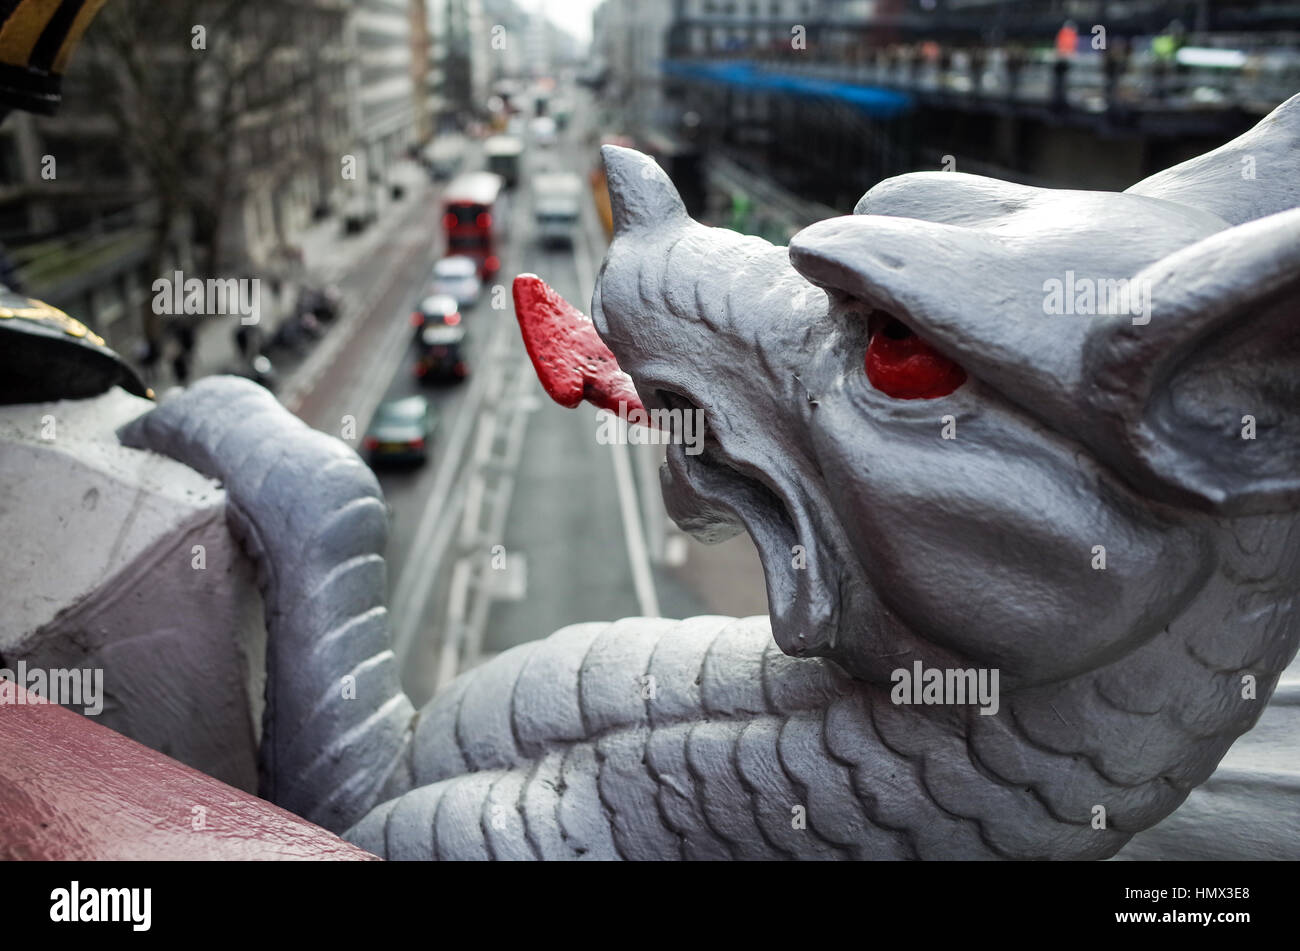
(469, 205)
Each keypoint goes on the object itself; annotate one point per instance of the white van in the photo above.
(555, 206)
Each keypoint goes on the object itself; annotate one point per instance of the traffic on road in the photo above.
(508, 518)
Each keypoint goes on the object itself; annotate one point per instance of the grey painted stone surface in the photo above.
(1121, 688)
(309, 512)
(99, 573)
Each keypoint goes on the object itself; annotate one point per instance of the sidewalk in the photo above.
(328, 257)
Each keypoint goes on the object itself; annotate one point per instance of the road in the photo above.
(521, 522)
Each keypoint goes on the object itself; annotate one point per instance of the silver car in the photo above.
(457, 277)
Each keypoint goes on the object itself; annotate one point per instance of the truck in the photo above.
(503, 153)
(556, 197)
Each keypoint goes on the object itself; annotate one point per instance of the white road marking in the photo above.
(511, 583)
(473, 514)
(448, 656)
(507, 381)
(505, 466)
(487, 430)
(638, 555)
(642, 577)
(648, 458)
(424, 555)
(440, 517)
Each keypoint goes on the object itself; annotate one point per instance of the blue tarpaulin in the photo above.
(876, 102)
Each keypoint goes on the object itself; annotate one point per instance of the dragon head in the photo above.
(976, 422)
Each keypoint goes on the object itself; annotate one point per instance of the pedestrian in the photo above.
(1114, 65)
(181, 367)
(246, 340)
(185, 339)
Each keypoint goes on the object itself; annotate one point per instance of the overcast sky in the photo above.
(573, 15)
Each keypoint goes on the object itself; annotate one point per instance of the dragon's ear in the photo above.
(1254, 175)
(1202, 404)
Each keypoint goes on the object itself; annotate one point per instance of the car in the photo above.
(543, 129)
(435, 310)
(444, 156)
(259, 369)
(296, 332)
(399, 432)
(441, 357)
(503, 154)
(457, 277)
(562, 112)
(323, 301)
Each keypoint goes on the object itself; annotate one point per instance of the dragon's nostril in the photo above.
(902, 365)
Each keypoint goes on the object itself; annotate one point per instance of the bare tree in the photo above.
(198, 89)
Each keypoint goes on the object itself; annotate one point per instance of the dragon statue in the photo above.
(940, 471)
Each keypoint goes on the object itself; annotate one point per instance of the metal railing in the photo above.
(1089, 81)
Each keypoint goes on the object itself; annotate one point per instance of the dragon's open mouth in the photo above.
(712, 494)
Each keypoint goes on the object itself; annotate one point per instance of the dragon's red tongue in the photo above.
(571, 360)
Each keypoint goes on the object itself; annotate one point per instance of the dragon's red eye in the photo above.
(902, 365)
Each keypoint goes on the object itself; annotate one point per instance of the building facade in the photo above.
(381, 93)
(100, 199)
(630, 41)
